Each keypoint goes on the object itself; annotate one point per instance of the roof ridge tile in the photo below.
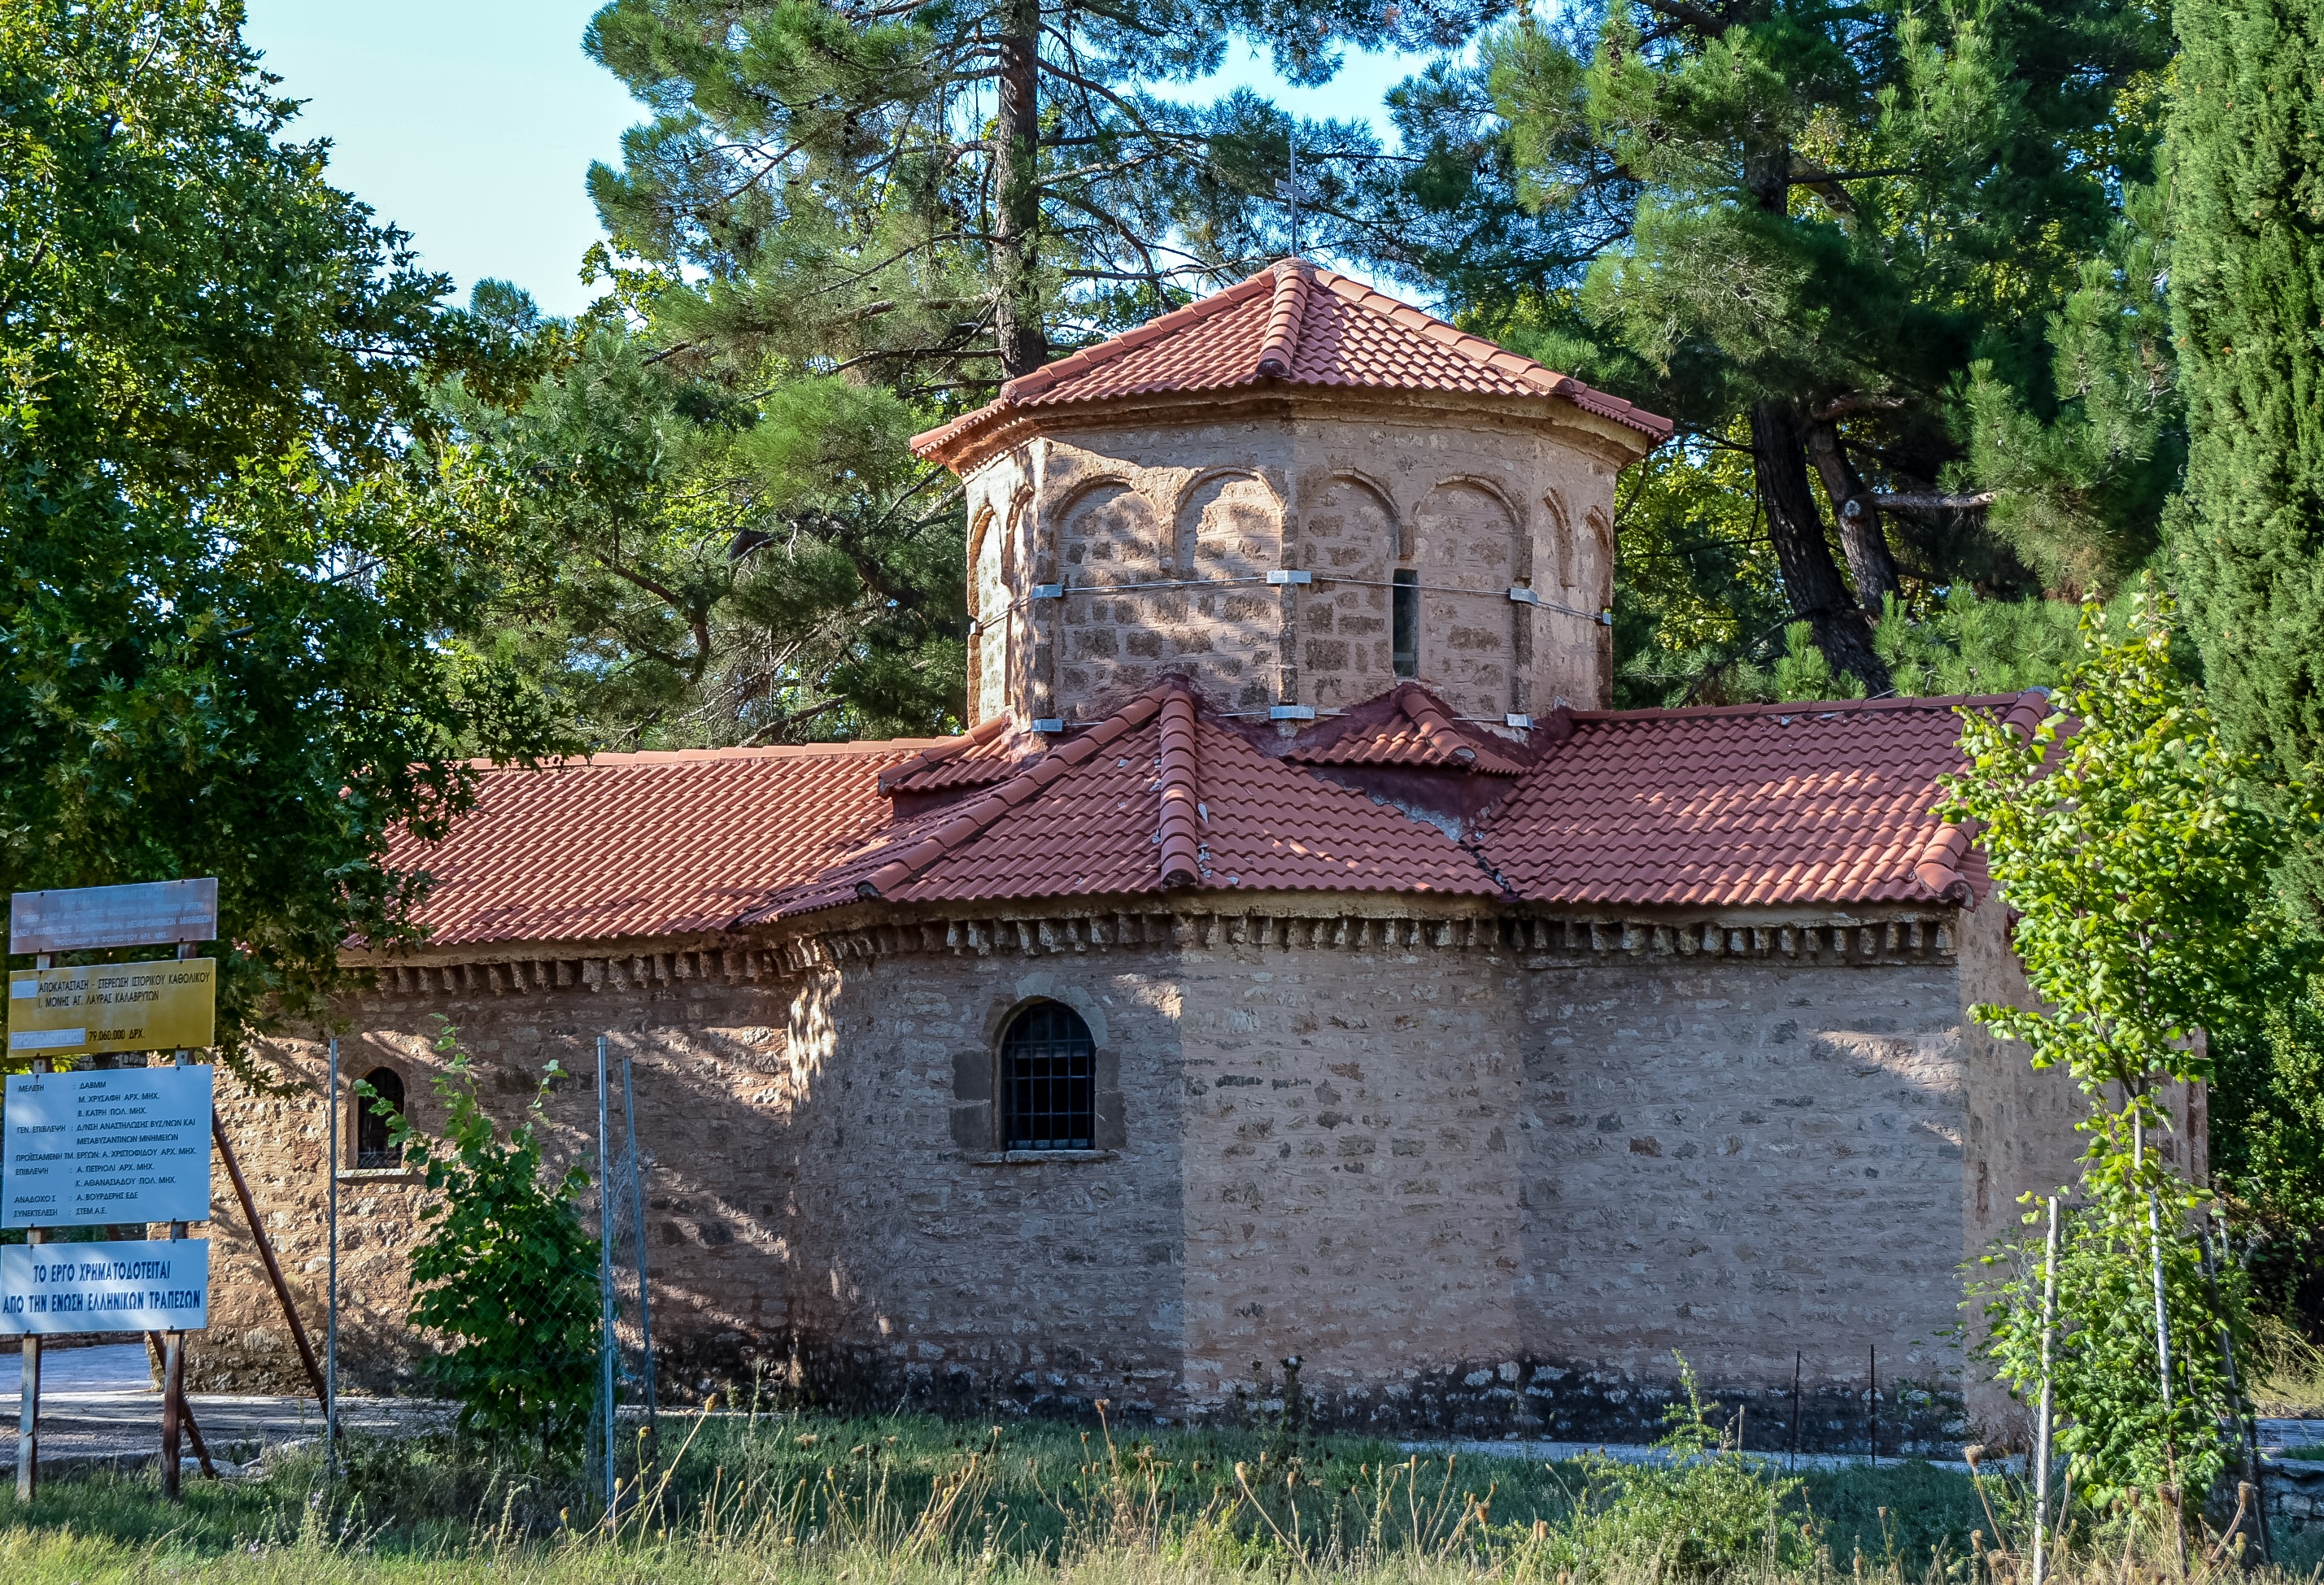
(980, 816)
(1181, 800)
(1283, 318)
(977, 736)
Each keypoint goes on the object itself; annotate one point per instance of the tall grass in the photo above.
(917, 1502)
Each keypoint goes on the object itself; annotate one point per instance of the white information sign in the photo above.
(86, 917)
(132, 1284)
(119, 1145)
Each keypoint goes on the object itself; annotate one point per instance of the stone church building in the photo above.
(1295, 956)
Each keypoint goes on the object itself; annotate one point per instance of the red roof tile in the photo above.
(646, 844)
(1754, 805)
(1416, 729)
(993, 752)
(1298, 323)
(1156, 797)
(1744, 805)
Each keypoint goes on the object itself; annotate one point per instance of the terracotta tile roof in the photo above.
(1754, 805)
(1156, 796)
(1745, 805)
(993, 752)
(1296, 323)
(646, 844)
(1414, 729)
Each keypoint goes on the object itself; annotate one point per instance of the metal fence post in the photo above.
(331, 1276)
(638, 1224)
(2041, 1425)
(606, 1342)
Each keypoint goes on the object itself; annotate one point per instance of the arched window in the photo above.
(1048, 1080)
(374, 1149)
(1404, 621)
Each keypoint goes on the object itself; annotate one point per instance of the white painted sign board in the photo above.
(119, 1145)
(132, 1284)
(89, 917)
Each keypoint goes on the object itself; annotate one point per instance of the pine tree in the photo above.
(1833, 215)
(2248, 305)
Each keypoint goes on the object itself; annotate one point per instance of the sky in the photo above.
(470, 124)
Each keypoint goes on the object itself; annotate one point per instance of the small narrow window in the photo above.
(1404, 618)
(374, 1148)
(1047, 1075)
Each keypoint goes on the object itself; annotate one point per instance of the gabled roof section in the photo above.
(1752, 806)
(1156, 798)
(992, 752)
(1745, 805)
(645, 844)
(1297, 324)
(1408, 728)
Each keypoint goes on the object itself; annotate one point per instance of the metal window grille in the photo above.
(1404, 624)
(1048, 1065)
(374, 1147)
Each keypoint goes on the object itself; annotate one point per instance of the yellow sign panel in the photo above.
(113, 1007)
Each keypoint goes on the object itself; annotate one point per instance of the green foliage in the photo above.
(1696, 595)
(2081, 483)
(1969, 645)
(1828, 219)
(2135, 859)
(504, 1269)
(2113, 1430)
(1703, 1508)
(220, 592)
(685, 565)
(2267, 1150)
(2135, 865)
(2246, 304)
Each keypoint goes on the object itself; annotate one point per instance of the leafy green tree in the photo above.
(221, 592)
(2247, 307)
(2134, 858)
(2080, 481)
(503, 1267)
(2267, 1153)
(844, 223)
(943, 189)
(682, 565)
(1833, 214)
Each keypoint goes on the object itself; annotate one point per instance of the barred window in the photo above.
(374, 1148)
(1047, 1076)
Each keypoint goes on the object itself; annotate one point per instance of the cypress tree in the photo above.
(2247, 307)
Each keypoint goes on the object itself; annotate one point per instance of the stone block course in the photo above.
(1406, 1150)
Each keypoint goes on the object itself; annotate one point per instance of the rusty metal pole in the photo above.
(154, 1351)
(266, 1255)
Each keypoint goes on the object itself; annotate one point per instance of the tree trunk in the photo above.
(1810, 577)
(1860, 536)
(1017, 312)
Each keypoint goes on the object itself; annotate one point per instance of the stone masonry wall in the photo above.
(1162, 526)
(1755, 1165)
(1351, 1183)
(1481, 1174)
(714, 1076)
(935, 1268)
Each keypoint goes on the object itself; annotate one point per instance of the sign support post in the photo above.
(28, 1378)
(107, 1147)
(173, 1352)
